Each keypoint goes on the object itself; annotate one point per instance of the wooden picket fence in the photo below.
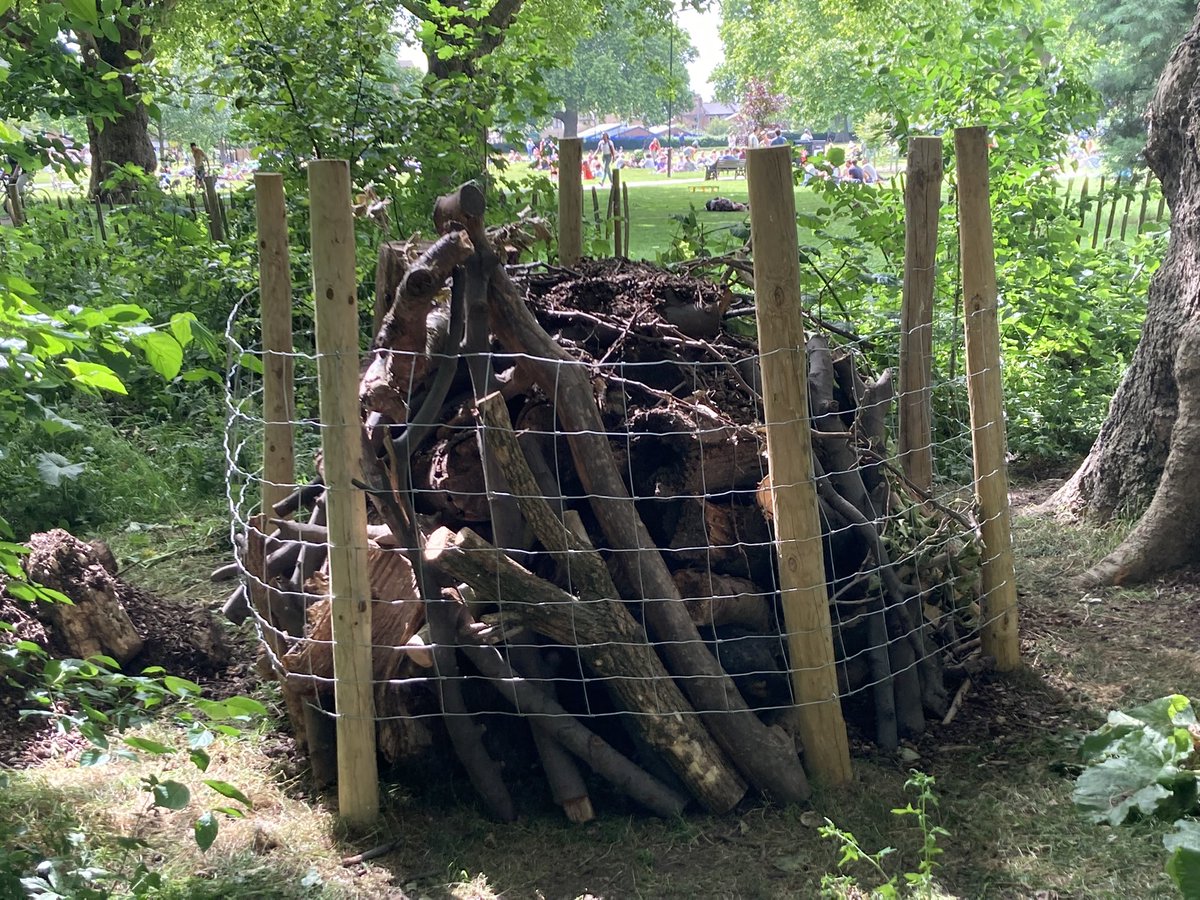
(1135, 199)
(1120, 207)
(96, 215)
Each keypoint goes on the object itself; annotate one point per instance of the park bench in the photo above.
(736, 166)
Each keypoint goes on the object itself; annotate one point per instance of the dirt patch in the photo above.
(178, 635)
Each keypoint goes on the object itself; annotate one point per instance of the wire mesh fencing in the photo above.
(524, 564)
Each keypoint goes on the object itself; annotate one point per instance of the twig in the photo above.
(373, 853)
(956, 703)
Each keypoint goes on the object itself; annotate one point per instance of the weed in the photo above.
(919, 884)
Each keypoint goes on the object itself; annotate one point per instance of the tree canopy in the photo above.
(601, 75)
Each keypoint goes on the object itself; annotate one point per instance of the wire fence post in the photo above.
(570, 201)
(999, 586)
(216, 222)
(789, 451)
(922, 207)
(335, 291)
(618, 218)
(275, 294)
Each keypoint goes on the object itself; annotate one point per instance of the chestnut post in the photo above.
(570, 201)
(781, 343)
(216, 221)
(922, 205)
(335, 292)
(985, 394)
(618, 219)
(275, 295)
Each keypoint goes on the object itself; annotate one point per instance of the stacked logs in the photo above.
(567, 482)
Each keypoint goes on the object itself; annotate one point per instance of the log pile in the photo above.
(570, 502)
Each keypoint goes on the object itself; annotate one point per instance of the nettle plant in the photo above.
(1145, 763)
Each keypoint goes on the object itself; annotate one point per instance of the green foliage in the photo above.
(1135, 38)
(102, 703)
(917, 884)
(1145, 762)
(603, 74)
(695, 239)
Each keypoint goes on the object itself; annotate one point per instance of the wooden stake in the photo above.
(1099, 212)
(977, 252)
(618, 219)
(1128, 203)
(1145, 202)
(570, 201)
(789, 448)
(625, 206)
(275, 294)
(100, 220)
(1083, 200)
(335, 292)
(922, 206)
(216, 222)
(1112, 213)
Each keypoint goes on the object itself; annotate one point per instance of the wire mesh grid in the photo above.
(683, 425)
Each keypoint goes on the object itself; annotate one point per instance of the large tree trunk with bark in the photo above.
(1144, 457)
(569, 116)
(124, 140)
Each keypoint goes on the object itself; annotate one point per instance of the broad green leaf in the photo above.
(171, 795)
(7, 132)
(54, 469)
(162, 351)
(94, 375)
(206, 828)
(83, 10)
(1122, 787)
(225, 789)
(52, 423)
(181, 327)
(245, 706)
(93, 756)
(180, 686)
(149, 746)
(200, 759)
(1183, 865)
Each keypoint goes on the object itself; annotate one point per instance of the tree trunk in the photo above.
(124, 140)
(1152, 432)
(569, 116)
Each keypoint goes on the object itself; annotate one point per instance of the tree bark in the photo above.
(569, 116)
(124, 140)
(1152, 423)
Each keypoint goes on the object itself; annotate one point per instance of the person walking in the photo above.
(608, 152)
(199, 164)
(779, 140)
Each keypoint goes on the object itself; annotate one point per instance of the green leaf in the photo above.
(181, 687)
(1183, 865)
(54, 469)
(171, 795)
(245, 706)
(83, 10)
(1122, 787)
(205, 829)
(150, 746)
(225, 789)
(93, 756)
(94, 375)
(181, 327)
(200, 759)
(162, 351)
